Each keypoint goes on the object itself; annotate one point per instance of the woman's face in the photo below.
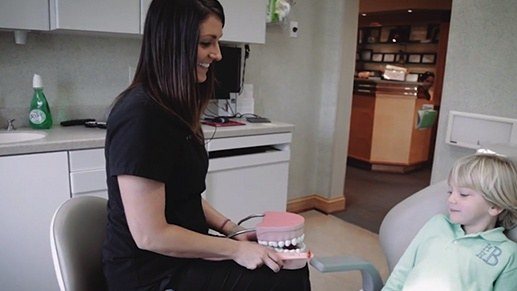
(429, 81)
(210, 31)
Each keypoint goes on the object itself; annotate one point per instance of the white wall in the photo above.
(481, 69)
(81, 74)
(306, 81)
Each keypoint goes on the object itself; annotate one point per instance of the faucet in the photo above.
(10, 125)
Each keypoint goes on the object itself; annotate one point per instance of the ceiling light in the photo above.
(409, 11)
(363, 14)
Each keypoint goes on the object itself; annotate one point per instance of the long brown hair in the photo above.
(168, 58)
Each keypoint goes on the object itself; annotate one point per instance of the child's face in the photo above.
(468, 208)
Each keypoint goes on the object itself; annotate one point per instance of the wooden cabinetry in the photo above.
(24, 14)
(378, 47)
(361, 127)
(384, 135)
(416, 41)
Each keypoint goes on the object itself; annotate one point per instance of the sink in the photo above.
(20, 136)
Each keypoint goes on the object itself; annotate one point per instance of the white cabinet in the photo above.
(24, 14)
(88, 173)
(32, 187)
(144, 6)
(245, 21)
(117, 16)
(249, 174)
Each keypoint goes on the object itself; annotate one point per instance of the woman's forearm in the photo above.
(216, 220)
(144, 204)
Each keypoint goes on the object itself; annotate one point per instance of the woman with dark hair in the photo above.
(156, 163)
(427, 80)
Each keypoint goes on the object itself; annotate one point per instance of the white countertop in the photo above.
(61, 138)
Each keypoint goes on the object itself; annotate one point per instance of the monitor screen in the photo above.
(228, 72)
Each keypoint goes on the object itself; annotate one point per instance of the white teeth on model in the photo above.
(279, 250)
(289, 242)
(204, 65)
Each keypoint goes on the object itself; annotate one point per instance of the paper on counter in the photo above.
(245, 101)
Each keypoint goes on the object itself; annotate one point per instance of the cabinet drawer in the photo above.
(88, 181)
(87, 160)
(218, 144)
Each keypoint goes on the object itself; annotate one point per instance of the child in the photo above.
(467, 250)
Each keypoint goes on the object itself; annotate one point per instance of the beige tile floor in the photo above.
(326, 235)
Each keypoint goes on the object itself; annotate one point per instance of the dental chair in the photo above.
(398, 228)
(77, 233)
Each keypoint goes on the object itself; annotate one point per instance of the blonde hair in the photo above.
(495, 177)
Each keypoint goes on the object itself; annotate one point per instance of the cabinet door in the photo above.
(24, 14)
(32, 187)
(245, 21)
(118, 16)
(239, 191)
(88, 173)
(144, 6)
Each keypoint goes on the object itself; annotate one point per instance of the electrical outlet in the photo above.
(293, 29)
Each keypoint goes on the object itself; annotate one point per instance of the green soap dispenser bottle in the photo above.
(39, 115)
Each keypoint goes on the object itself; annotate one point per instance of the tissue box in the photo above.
(412, 77)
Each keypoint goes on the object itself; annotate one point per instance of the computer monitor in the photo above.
(228, 72)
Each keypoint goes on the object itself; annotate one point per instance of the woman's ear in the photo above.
(494, 210)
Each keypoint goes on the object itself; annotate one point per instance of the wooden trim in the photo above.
(316, 202)
(395, 168)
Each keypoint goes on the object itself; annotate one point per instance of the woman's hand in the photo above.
(252, 255)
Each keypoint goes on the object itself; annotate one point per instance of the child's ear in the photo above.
(494, 210)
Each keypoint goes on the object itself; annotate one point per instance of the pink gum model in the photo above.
(278, 226)
(285, 226)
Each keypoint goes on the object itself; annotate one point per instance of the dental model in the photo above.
(283, 231)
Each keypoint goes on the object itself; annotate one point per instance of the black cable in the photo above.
(229, 105)
(241, 115)
(250, 217)
(212, 137)
(246, 56)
